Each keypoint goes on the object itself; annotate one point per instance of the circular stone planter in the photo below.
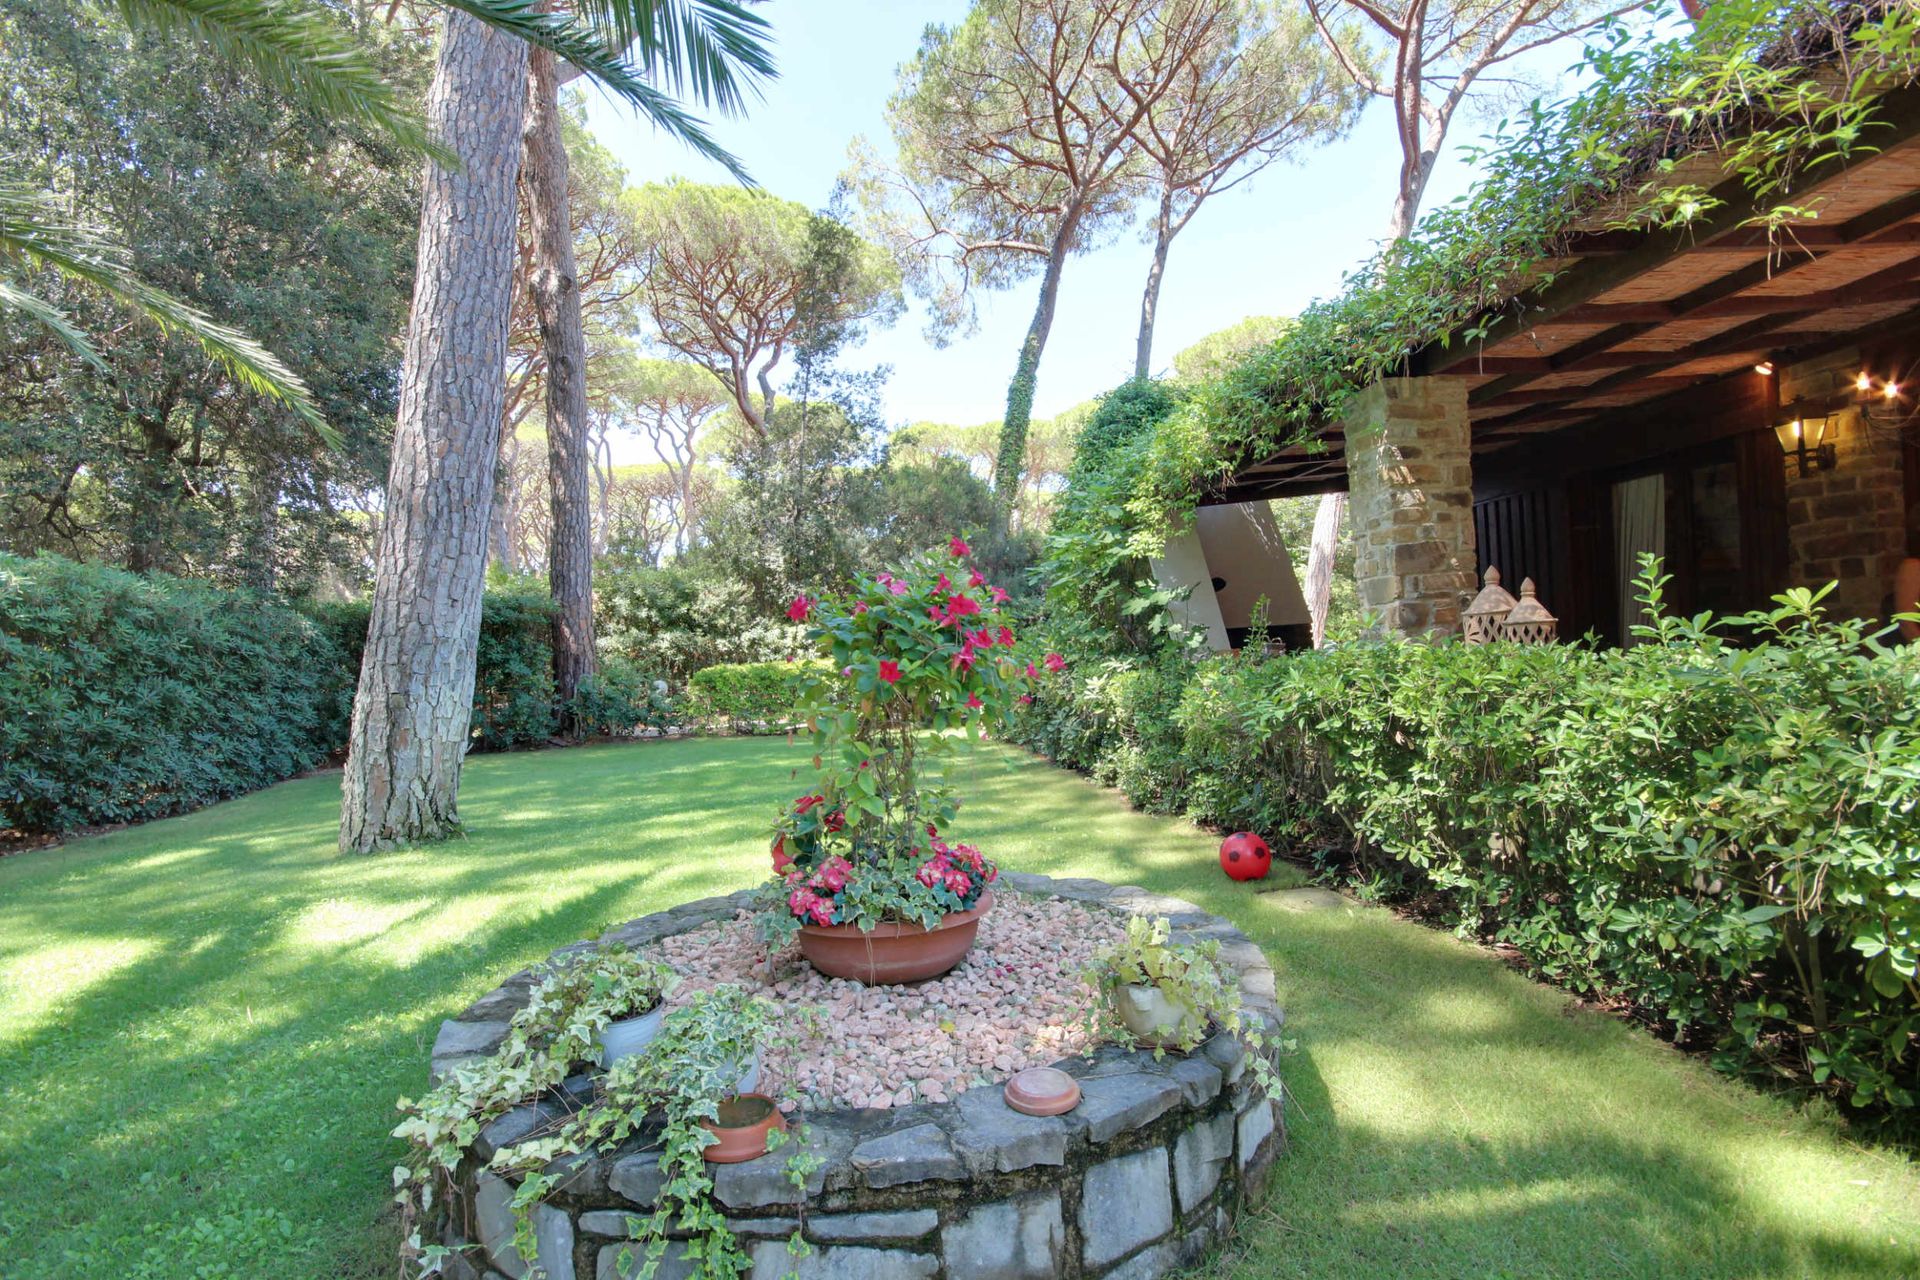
(1138, 1180)
(893, 953)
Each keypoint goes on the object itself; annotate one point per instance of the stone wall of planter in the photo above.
(1138, 1180)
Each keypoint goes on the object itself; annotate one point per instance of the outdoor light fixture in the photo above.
(1803, 436)
(1764, 368)
(1864, 382)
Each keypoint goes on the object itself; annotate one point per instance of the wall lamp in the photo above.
(1803, 435)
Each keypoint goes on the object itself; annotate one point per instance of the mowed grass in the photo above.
(204, 1024)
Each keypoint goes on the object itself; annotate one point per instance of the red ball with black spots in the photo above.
(1245, 856)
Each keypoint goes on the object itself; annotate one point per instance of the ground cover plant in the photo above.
(205, 1022)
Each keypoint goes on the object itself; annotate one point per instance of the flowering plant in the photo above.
(927, 647)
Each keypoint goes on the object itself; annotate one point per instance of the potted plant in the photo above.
(864, 880)
(1168, 996)
(614, 989)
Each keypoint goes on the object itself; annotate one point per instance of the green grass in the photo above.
(204, 1023)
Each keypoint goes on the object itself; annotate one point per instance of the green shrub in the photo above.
(513, 699)
(620, 699)
(125, 697)
(750, 697)
(1725, 834)
(675, 620)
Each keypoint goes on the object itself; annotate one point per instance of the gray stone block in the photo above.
(763, 1228)
(1198, 1078)
(1115, 1104)
(1024, 1238)
(493, 1214)
(460, 1042)
(771, 1261)
(553, 1243)
(1256, 1126)
(917, 1154)
(1227, 1053)
(610, 1222)
(1199, 1156)
(1125, 1203)
(638, 1178)
(857, 1228)
(515, 1126)
(993, 1137)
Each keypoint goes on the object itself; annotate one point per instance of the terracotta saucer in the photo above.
(1042, 1091)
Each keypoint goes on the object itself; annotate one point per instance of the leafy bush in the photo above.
(751, 697)
(125, 697)
(1726, 834)
(675, 620)
(619, 699)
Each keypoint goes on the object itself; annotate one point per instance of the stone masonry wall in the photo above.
(1140, 1179)
(1846, 524)
(1410, 495)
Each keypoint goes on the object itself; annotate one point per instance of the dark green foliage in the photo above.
(1728, 837)
(513, 702)
(750, 697)
(619, 698)
(125, 697)
(683, 616)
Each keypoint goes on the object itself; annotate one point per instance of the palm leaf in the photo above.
(302, 52)
(712, 42)
(35, 307)
(34, 236)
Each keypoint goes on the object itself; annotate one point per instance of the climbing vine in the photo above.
(1774, 90)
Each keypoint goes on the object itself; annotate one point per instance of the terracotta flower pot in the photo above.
(741, 1132)
(892, 953)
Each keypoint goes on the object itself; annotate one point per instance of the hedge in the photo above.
(751, 697)
(1725, 834)
(125, 697)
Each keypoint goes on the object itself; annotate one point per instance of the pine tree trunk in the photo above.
(414, 705)
(555, 289)
(1011, 459)
(1326, 540)
(1150, 299)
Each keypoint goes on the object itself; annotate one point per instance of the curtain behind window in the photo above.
(1639, 526)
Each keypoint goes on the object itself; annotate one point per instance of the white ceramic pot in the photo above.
(750, 1074)
(629, 1036)
(1149, 1014)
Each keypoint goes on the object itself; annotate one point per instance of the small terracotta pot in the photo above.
(741, 1132)
(892, 953)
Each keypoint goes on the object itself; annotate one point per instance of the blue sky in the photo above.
(1266, 248)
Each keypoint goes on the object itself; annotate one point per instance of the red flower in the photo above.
(1006, 637)
(965, 659)
(807, 802)
(981, 639)
(799, 609)
(961, 607)
(782, 860)
(898, 587)
(835, 820)
(959, 882)
(973, 701)
(1056, 663)
(1025, 699)
(834, 873)
(931, 872)
(944, 585)
(889, 670)
(959, 548)
(999, 595)
(1033, 672)
(806, 904)
(859, 606)
(976, 579)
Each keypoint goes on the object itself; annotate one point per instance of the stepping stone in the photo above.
(1309, 899)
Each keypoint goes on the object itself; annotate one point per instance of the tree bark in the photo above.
(555, 289)
(1326, 539)
(414, 705)
(1150, 299)
(1011, 460)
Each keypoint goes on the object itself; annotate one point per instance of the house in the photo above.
(1745, 408)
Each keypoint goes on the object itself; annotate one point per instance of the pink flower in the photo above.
(976, 579)
(799, 609)
(999, 595)
(1033, 672)
(944, 584)
(835, 820)
(898, 587)
(847, 672)
(964, 659)
(961, 607)
(1006, 637)
(805, 904)
(959, 548)
(834, 872)
(1025, 699)
(959, 882)
(889, 671)
(981, 639)
(973, 702)
(1056, 663)
(931, 872)
(859, 606)
(805, 803)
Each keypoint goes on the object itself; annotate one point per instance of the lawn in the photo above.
(204, 1023)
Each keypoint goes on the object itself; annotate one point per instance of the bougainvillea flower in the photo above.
(889, 670)
(799, 609)
(976, 579)
(1006, 637)
(1056, 663)
(959, 547)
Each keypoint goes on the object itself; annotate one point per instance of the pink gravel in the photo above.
(1016, 1001)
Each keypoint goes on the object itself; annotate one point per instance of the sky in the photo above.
(1268, 247)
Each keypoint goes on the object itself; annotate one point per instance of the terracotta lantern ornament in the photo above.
(1489, 609)
(1245, 856)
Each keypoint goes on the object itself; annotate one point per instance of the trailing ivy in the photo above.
(1774, 89)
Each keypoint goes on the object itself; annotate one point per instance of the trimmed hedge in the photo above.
(125, 697)
(752, 697)
(1726, 835)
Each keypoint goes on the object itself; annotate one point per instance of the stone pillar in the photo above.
(1410, 495)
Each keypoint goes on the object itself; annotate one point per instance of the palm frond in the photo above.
(33, 235)
(714, 47)
(37, 308)
(302, 52)
(594, 50)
